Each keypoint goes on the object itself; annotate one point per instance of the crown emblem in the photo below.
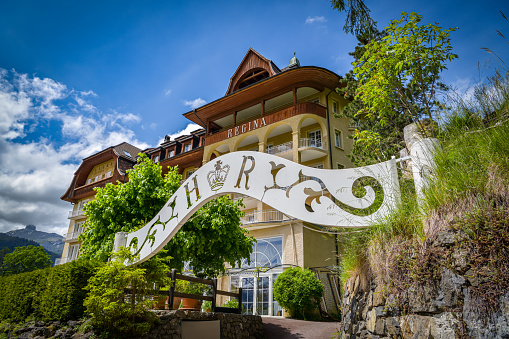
(217, 176)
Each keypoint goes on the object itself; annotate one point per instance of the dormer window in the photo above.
(156, 158)
(187, 147)
(128, 154)
(171, 153)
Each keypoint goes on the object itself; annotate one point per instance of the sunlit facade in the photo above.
(288, 112)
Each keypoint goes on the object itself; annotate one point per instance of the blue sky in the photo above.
(79, 76)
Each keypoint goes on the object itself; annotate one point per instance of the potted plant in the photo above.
(206, 306)
(190, 288)
(160, 301)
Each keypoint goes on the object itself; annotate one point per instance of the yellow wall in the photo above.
(100, 171)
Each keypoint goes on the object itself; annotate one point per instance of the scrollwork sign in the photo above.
(313, 195)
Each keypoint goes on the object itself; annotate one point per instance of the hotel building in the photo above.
(286, 112)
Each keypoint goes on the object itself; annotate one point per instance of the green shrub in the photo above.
(190, 287)
(120, 296)
(51, 294)
(64, 291)
(233, 303)
(299, 291)
(17, 300)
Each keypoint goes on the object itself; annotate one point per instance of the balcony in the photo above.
(88, 189)
(73, 235)
(283, 150)
(264, 216)
(78, 214)
(272, 117)
(61, 261)
(311, 149)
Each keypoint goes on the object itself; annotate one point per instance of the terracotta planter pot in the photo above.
(191, 304)
(176, 303)
(160, 302)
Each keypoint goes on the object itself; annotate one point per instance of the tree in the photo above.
(386, 139)
(25, 259)
(394, 83)
(358, 19)
(119, 296)
(401, 71)
(210, 238)
(298, 290)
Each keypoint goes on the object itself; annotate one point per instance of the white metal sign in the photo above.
(295, 190)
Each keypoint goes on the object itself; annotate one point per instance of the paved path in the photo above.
(281, 328)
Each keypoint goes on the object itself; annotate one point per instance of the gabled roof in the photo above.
(252, 61)
(127, 151)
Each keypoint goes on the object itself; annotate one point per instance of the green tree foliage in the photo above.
(25, 259)
(400, 73)
(119, 297)
(387, 139)
(210, 238)
(394, 83)
(125, 207)
(298, 291)
(3, 252)
(54, 293)
(358, 19)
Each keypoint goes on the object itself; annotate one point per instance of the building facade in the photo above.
(286, 112)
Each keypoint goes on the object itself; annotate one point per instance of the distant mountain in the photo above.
(12, 242)
(50, 241)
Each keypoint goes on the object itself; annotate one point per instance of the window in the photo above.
(187, 147)
(315, 100)
(189, 173)
(319, 166)
(267, 252)
(73, 252)
(340, 166)
(338, 138)
(171, 153)
(156, 158)
(128, 154)
(315, 138)
(335, 107)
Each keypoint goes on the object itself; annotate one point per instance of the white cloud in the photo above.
(167, 92)
(195, 103)
(186, 131)
(35, 173)
(463, 88)
(312, 20)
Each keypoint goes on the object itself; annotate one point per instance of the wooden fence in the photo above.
(172, 293)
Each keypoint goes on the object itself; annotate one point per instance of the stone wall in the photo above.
(447, 311)
(232, 326)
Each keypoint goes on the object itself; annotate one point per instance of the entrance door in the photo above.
(247, 295)
(257, 296)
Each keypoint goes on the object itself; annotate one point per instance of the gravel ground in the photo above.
(281, 328)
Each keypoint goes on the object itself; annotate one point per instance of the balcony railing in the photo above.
(264, 216)
(308, 142)
(272, 117)
(287, 146)
(73, 235)
(75, 214)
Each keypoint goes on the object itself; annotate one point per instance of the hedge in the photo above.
(49, 294)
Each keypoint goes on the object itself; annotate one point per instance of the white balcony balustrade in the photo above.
(282, 148)
(264, 216)
(309, 142)
(61, 261)
(76, 214)
(73, 235)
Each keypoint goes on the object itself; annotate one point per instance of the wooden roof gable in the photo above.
(253, 63)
